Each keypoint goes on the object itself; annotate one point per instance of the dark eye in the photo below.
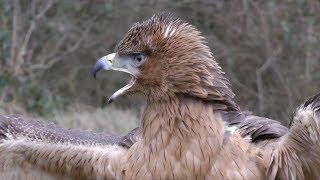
(138, 57)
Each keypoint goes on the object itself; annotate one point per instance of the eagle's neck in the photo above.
(180, 123)
(184, 138)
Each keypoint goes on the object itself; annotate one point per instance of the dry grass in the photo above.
(108, 119)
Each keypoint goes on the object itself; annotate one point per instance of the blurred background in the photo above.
(270, 51)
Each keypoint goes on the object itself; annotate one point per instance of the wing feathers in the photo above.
(258, 128)
(30, 148)
(16, 126)
(77, 161)
(299, 150)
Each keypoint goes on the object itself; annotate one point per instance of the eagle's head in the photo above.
(166, 57)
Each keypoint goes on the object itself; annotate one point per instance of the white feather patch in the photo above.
(169, 31)
(232, 129)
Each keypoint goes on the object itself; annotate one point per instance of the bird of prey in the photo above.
(190, 129)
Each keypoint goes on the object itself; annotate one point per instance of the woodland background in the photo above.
(269, 49)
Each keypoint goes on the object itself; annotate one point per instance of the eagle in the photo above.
(191, 128)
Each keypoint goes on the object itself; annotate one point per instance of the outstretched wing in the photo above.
(297, 155)
(34, 149)
(33, 129)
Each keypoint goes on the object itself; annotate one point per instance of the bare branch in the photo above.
(14, 36)
(70, 50)
(260, 87)
(309, 56)
(32, 27)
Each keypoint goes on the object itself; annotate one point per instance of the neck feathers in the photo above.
(183, 132)
(183, 117)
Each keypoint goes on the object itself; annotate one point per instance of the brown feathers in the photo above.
(17, 127)
(190, 129)
(298, 154)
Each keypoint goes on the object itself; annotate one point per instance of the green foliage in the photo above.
(36, 99)
(106, 8)
(286, 30)
(4, 79)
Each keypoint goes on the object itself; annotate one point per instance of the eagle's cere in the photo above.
(190, 129)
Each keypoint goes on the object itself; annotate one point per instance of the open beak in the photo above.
(113, 62)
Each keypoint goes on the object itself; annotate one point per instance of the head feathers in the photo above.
(179, 61)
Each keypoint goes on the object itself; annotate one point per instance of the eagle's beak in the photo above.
(104, 63)
(113, 62)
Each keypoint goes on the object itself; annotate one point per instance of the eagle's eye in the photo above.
(138, 58)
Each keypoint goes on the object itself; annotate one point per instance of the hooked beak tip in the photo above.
(96, 68)
(103, 63)
(110, 100)
(94, 74)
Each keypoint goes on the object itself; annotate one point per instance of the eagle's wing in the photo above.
(129, 139)
(261, 130)
(27, 147)
(297, 156)
(33, 129)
